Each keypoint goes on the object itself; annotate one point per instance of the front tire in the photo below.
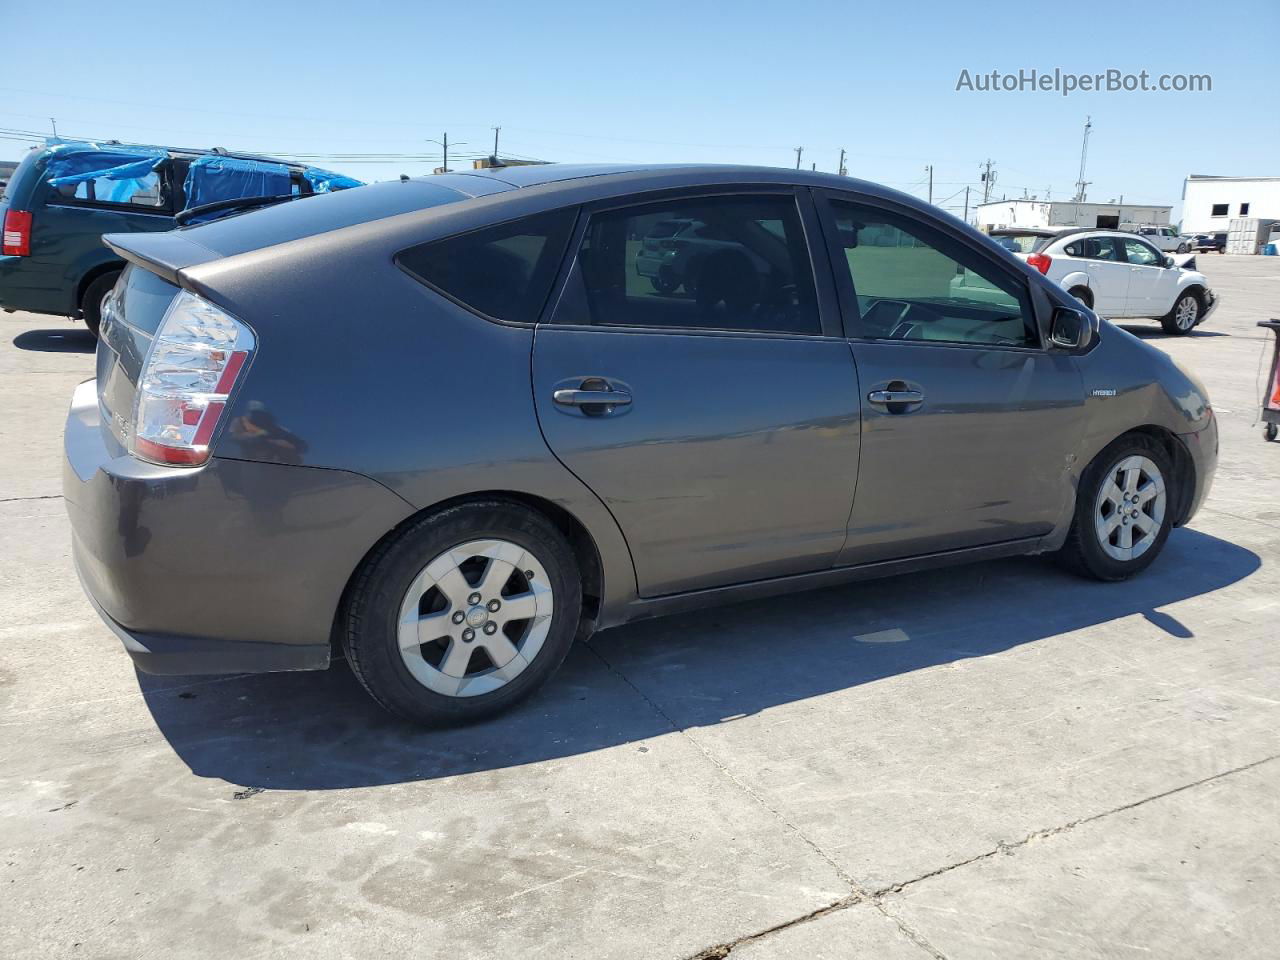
(94, 295)
(1184, 315)
(464, 613)
(1123, 510)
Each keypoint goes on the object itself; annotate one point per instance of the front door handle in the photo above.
(884, 397)
(591, 398)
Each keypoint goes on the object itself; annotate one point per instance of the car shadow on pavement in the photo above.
(67, 340)
(1145, 331)
(309, 731)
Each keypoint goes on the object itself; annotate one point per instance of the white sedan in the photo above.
(1118, 275)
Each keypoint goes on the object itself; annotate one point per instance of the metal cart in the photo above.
(1271, 397)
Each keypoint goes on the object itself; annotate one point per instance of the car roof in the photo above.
(1100, 231)
(1024, 232)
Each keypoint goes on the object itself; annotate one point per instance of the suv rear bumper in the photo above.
(232, 567)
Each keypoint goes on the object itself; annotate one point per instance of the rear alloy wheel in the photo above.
(95, 298)
(1122, 514)
(1182, 319)
(463, 614)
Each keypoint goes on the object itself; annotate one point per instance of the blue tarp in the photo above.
(126, 166)
(323, 181)
(213, 178)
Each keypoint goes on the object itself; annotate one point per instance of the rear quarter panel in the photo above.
(359, 367)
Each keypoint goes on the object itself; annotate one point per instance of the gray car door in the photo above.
(969, 426)
(712, 406)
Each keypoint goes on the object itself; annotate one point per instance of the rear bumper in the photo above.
(233, 567)
(1203, 450)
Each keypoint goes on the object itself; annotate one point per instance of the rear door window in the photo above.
(728, 263)
(1095, 248)
(503, 272)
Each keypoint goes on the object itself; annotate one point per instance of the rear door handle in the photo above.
(591, 398)
(895, 396)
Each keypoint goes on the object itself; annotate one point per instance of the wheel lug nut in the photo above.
(468, 634)
(491, 627)
(494, 606)
(528, 574)
(473, 599)
(459, 617)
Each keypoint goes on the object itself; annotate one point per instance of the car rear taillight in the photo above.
(17, 234)
(198, 353)
(1040, 261)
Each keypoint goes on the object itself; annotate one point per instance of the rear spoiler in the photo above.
(164, 254)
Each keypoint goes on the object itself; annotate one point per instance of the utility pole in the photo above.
(444, 144)
(988, 181)
(55, 130)
(495, 143)
(840, 169)
(1081, 183)
(966, 204)
(930, 169)
(799, 151)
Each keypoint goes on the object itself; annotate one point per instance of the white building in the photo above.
(998, 214)
(1209, 204)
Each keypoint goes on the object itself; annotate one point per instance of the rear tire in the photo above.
(91, 302)
(1083, 294)
(464, 671)
(1269, 431)
(1184, 315)
(1123, 510)
(1182, 248)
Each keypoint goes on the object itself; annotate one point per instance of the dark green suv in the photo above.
(65, 195)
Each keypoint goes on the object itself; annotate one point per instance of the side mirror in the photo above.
(1069, 328)
(1168, 262)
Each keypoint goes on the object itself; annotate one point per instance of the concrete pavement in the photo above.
(991, 761)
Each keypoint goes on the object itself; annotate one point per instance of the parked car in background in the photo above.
(1165, 239)
(1204, 242)
(437, 420)
(1122, 275)
(64, 196)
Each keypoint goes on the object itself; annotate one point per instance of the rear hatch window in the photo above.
(310, 215)
(129, 325)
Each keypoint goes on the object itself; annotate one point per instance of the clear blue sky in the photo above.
(660, 82)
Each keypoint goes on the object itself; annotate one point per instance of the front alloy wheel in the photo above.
(1129, 510)
(1182, 319)
(1124, 510)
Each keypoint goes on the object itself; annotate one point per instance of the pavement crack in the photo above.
(47, 496)
(857, 889)
(1009, 848)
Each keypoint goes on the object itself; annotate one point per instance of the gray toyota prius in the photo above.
(451, 424)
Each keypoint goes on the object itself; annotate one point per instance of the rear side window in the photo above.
(503, 272)
(130, 192)
(716, 263)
